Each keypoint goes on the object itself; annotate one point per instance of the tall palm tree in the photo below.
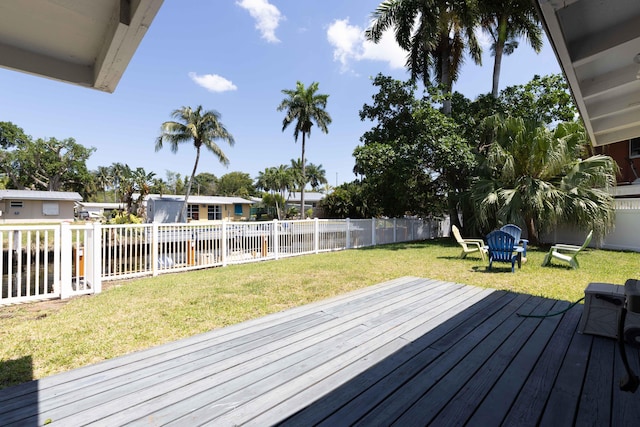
(197, 126)
(304, 106)
(506, 21)
(436, 34)
(535, 177)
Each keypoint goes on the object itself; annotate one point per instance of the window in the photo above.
(15, 203)
(193, 212)
(634, 148)
(50, 208)
(238, 209)
(214, 212)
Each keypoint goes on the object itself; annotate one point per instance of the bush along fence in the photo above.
(61, 261)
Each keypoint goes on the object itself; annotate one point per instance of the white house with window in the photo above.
(24, 206)
(166, 208)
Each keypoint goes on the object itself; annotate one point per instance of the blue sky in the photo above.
(236, 57)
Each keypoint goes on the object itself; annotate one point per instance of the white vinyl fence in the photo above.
(60, 261)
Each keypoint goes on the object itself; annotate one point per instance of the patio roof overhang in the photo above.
(598, 46)
(87, 43)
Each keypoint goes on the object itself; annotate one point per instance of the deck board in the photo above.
(410, 351)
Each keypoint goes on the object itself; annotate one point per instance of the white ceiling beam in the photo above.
(622, 120)
(129, 24)
(45, 66)
(605, 138)
(614, 80)
(596, 46)
(605, 107)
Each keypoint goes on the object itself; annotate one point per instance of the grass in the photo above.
(37, 340)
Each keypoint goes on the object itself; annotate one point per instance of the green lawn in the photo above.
(42, 339)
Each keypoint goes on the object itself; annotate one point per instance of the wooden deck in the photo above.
(407, 352)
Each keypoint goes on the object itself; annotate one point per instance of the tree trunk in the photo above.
(532, 233)
(446, 80)
(183, 214)
(304, 182)
(501, 39)
(497, 63)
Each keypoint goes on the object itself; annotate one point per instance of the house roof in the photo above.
(309, 197)
(103, 205)
(598, 46)
(39, 195)
(202, 200)
(88, 43)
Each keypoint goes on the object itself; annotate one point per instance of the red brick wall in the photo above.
(620, 153)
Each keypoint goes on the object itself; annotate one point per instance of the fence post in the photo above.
(96, 258)
(223, 243)
(276, 239)
(373, 231)
(348, 239)
(155, 249)
(66, 248)
(316, 235)
(395, 230)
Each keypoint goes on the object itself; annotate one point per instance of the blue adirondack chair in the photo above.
(516, 232)
(502, 249)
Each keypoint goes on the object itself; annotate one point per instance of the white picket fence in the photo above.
(61, 261)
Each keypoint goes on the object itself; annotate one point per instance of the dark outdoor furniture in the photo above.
(516, 232)
(502, 248)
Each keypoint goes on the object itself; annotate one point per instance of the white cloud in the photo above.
(350, 45)
(213, 82)
(267, 17)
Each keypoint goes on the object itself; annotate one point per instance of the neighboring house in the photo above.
(23, 206)
(166, 209)
(311, 200)
(97, 210)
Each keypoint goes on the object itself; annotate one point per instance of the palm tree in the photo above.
(534, 177)
(297, 176)
(200, 127)
(117, 172)
(304, 106)
(436, 34)
(103, 179)
(506, 21)
(316, 176)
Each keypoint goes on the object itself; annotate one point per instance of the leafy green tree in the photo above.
(436, 33)
(506, 21)
(545, 99)
(206, 183)
(11, 135)
(403, 162)
(201, 128)
(47, 164)
(236, 184)
(303, 106)
(346, 201)
(536, 177)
